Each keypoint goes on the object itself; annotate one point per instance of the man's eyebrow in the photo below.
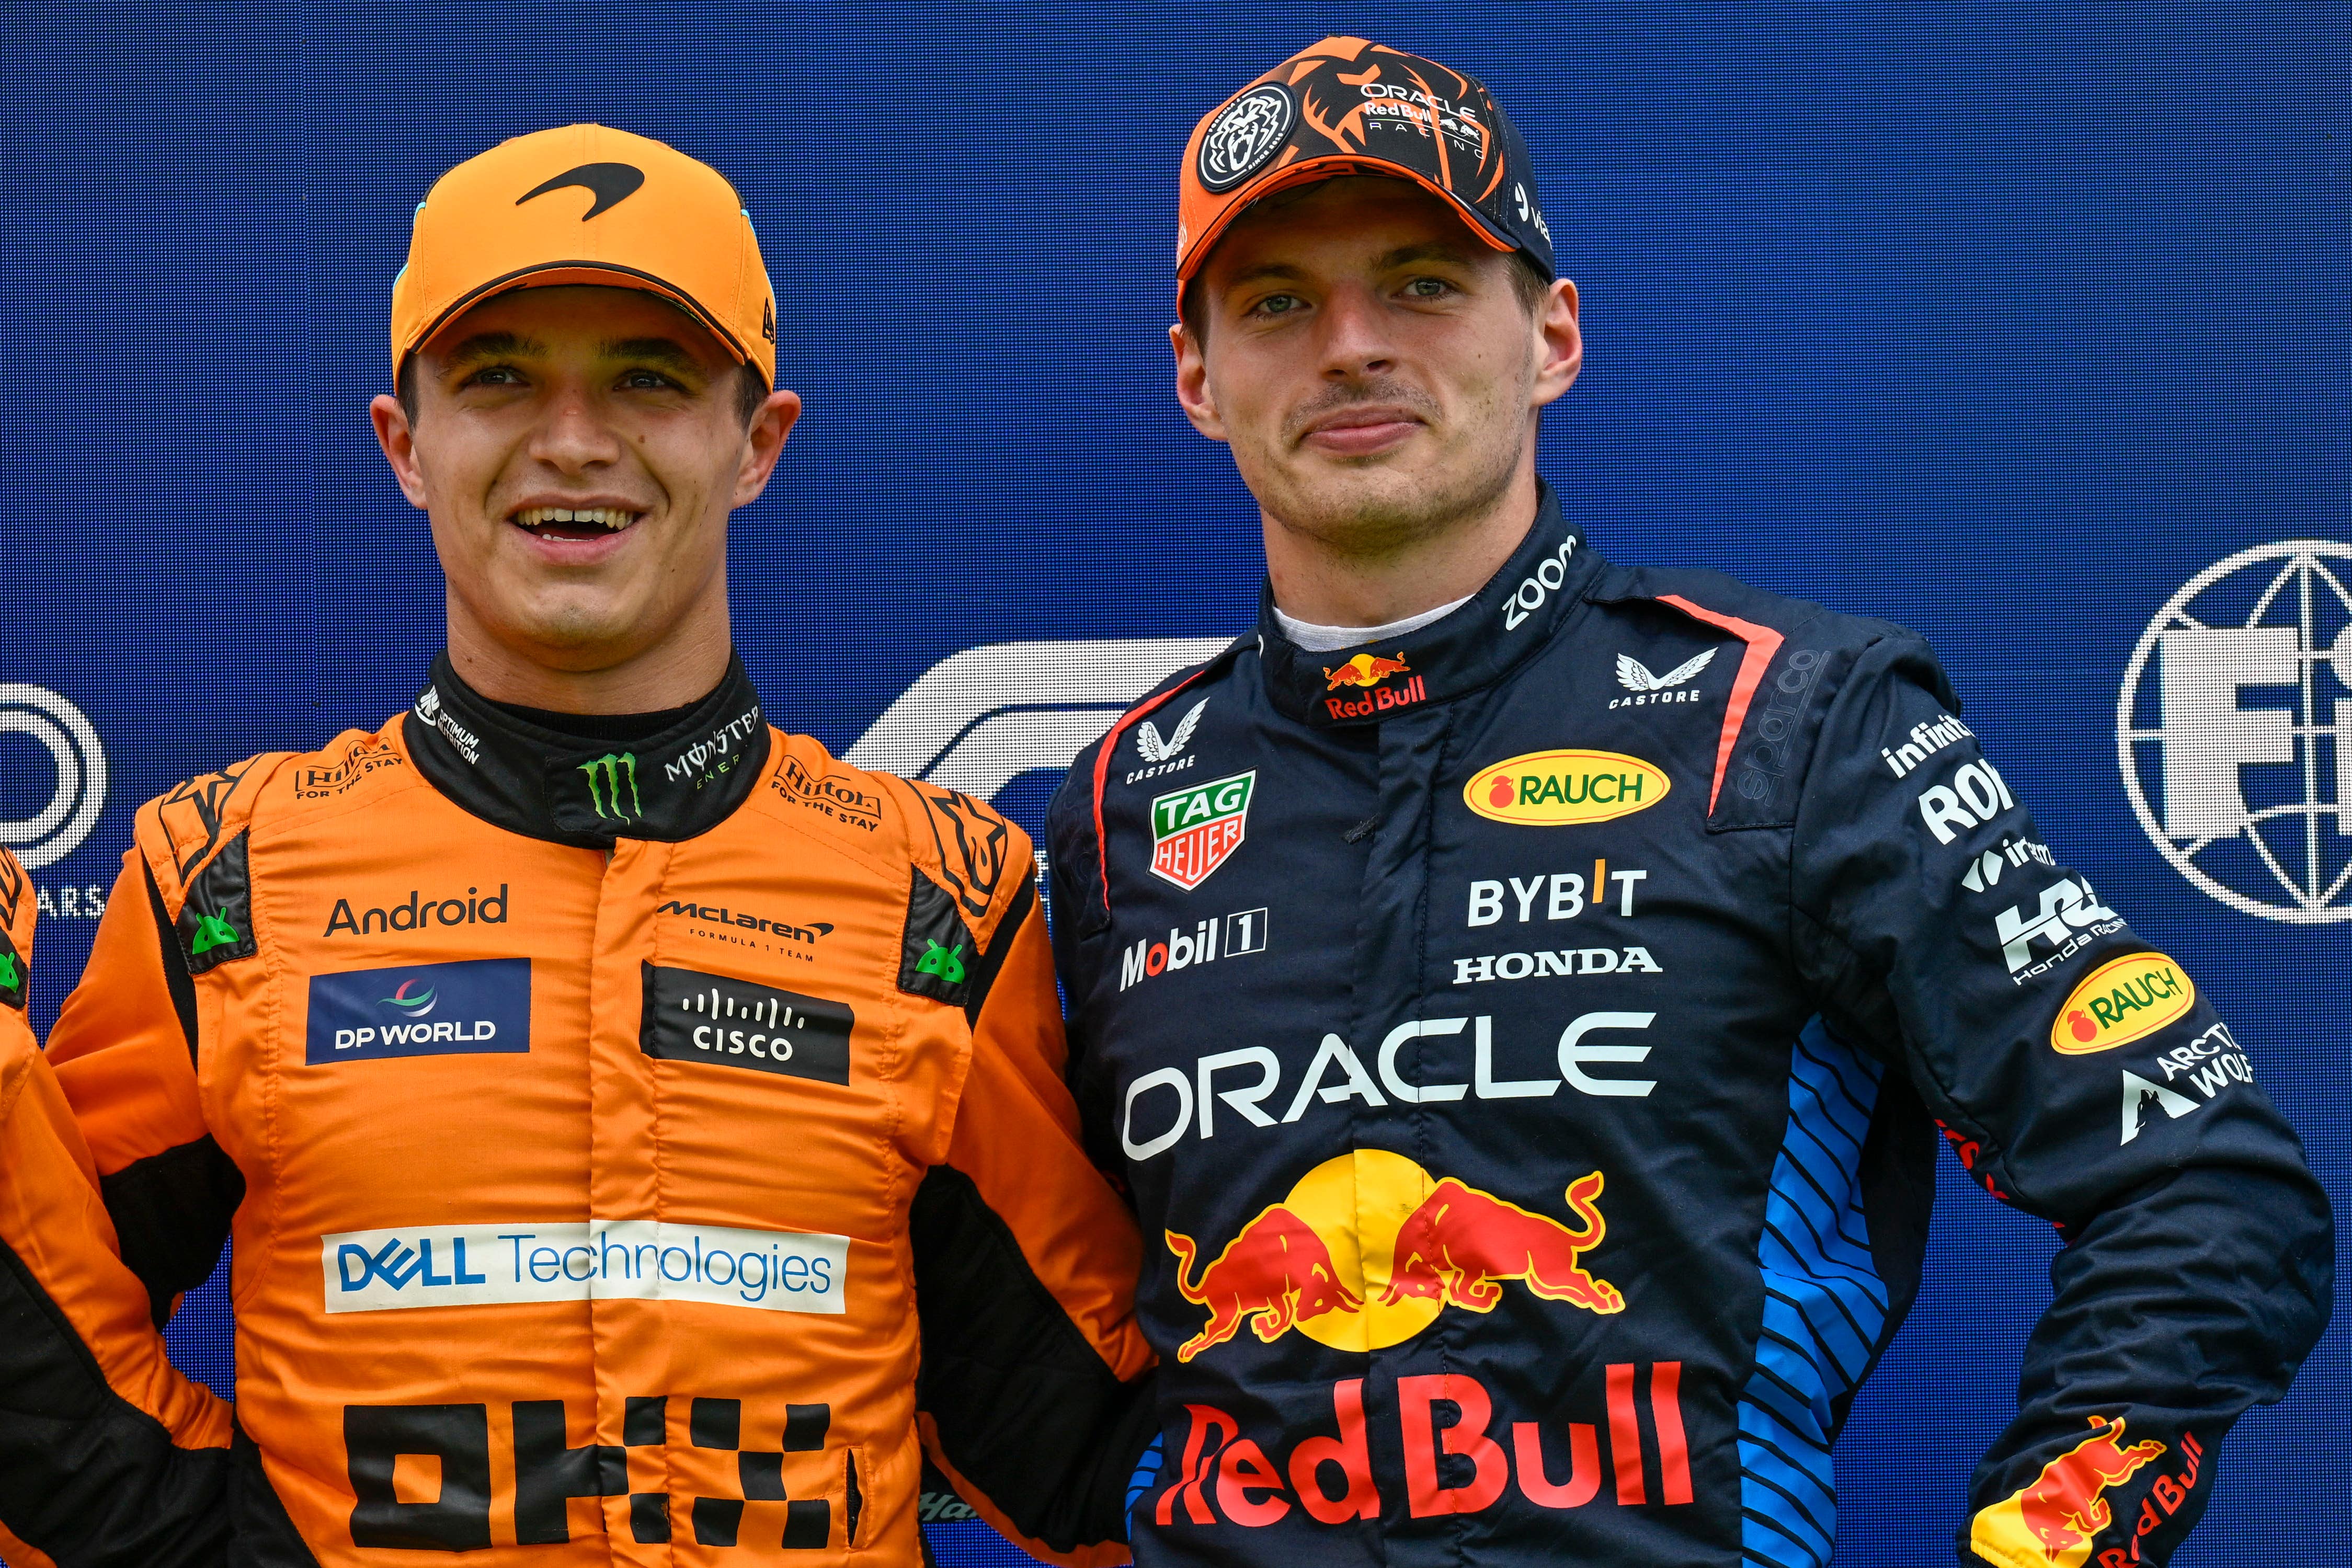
(1267, 272)
(484, 346)
(1428, 250)
(667, 353)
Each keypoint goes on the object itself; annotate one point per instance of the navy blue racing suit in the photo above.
(1524, 1044)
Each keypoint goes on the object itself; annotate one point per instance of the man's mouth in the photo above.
(574, 522)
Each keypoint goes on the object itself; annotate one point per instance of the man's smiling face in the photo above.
(1369, 359)
(578, 450)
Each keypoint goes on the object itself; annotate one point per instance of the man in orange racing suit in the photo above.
(643, 1137)
(104, 1449)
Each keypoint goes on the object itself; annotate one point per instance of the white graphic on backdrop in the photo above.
(78, 794)
(2231, 730)
(977, 720)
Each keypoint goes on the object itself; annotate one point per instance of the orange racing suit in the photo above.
(107, 1454)
(636, 1151)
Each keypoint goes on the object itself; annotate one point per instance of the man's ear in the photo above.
(764, 444)
(1560, 344)
(398, 439)
(1192, 393)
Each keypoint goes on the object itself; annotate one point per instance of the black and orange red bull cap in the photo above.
(1348, 106)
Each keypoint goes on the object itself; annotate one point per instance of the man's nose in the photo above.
(574, 435)
(1355, 341)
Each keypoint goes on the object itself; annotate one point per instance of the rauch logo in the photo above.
(2122, 1000)
(1195, 830)
(1559, 789)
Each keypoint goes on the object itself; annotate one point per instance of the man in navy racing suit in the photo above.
(1520, 991)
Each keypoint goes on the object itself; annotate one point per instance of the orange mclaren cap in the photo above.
(1348, 106)
(585, 203)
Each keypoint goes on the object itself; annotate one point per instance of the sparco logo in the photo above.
(1765, 759)
(1239, 141)
(607, 776)
(2235, 793)
(79, 795)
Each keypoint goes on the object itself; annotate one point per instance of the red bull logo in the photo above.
(1228, 1478)
(1366, 1251)
(1365, 670)
(1277, 1272)
(1461, 1240)
(2054, 1522)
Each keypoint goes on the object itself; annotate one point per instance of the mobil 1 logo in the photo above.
(1205, 942)
(474, 1006)
(717, 1020)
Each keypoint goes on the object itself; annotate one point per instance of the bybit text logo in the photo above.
(2231, 730)
(606, 775)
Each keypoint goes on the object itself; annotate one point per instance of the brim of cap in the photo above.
(1329, 166)
(548, 275)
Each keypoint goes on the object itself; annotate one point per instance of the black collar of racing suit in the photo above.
(574, 789)
(1508, 619)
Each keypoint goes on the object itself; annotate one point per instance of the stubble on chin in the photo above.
(1375, 508)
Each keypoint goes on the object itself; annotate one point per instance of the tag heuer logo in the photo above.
(1195, 830)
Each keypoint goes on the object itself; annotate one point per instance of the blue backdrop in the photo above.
(2007, 327)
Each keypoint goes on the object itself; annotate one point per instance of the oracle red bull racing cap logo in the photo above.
(1367, 1248)
(1195, 830)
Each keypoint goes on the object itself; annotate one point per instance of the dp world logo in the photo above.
(2232, 730)
(79, 795)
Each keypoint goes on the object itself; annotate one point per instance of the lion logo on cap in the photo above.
(1249, 132)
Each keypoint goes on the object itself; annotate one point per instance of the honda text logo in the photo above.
(2231, 730)
(79, 794)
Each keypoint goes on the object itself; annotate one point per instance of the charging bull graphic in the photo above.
(1367, 1248)
(1461, 1240)
(1366, 670)
(2054, 1520)
(1277, 1272)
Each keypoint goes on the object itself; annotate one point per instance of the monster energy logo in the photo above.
(605, 778)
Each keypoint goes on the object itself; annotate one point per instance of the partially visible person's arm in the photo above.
(1036, 1386)
(108, 1458)
(2084, 1079)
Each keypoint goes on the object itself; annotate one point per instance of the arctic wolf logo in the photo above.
(1634, 676)
(1149, 745)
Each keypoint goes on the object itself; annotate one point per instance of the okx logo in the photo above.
(2231, 727)
(609, 777)
(479, 1006)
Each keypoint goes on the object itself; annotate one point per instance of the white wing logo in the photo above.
(1149, 745)
(1634, 676)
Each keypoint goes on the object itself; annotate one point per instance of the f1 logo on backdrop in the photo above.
(79, 792)
(977, 720)
(2231, 729)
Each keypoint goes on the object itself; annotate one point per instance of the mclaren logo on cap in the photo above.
(1250, 131)
(612, 183)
